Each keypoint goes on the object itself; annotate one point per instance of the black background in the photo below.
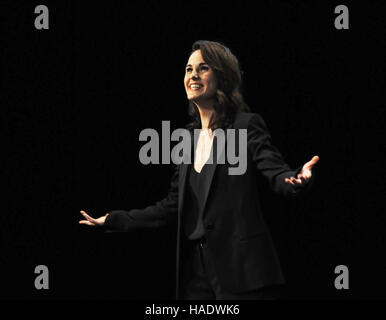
(75, 98)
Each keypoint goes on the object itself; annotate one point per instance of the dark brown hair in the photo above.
(228, 99)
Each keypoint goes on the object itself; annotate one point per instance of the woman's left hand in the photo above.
(305, 174)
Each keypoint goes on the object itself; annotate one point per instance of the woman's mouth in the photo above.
(195, 86)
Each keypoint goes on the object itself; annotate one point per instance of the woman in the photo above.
(223, 243)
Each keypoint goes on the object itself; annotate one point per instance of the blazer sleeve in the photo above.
(269, 161)
(160, 214)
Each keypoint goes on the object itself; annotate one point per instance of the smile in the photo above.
(195, 86)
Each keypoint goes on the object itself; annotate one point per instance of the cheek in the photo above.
(185, 80)
(212, 86)
(211, 83)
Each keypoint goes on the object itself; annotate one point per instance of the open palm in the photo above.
(305, 174)
(91, 221)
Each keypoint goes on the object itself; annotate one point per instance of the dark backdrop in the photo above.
(76, 96)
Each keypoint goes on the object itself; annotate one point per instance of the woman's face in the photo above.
(200, 82)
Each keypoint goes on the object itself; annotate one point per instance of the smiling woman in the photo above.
(223, 243)
(200, 82)
(213, 75)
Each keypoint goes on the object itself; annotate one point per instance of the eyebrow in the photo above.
(189, 65)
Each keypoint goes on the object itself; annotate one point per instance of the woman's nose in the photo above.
(195, 75)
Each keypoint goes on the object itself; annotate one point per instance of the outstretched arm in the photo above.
(157, 215)
(269, 161)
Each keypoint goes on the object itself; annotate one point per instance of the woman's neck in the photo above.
(206, 111)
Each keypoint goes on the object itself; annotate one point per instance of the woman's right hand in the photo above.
(91, 221)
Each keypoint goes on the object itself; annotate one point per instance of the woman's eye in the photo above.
(188, 69)
(205, 68)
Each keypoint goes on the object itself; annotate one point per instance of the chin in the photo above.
(194, 98)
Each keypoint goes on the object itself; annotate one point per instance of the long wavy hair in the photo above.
(228, 98)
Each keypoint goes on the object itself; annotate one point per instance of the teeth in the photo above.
(195, 86)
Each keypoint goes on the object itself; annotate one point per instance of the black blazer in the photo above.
(237, 236)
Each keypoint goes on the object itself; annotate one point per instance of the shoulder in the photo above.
(243, 120)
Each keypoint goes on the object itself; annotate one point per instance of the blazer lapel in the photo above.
(182, 186)
(182, 176)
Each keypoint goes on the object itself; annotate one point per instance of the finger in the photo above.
(86, 222)
(84, 213)
(296, 181)
(87, 216)
(289, 181)
(312, 162)
(299, 181)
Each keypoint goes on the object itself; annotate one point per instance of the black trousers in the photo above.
(200, 281)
